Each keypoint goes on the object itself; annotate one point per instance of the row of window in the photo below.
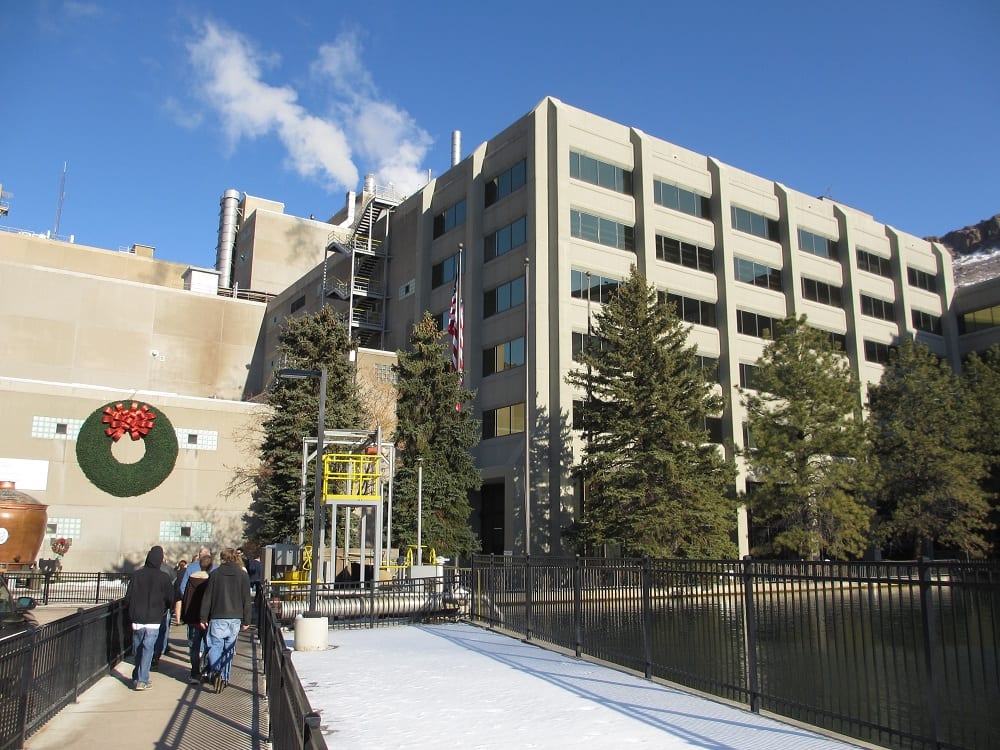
(61, 428)
(451, 217)
(681, 200)
(504, 297)
(758, 274)
(600, 173)
(505, 239)
(921, 279)
(592, 286)
(820, 291)
(603, 231)
(755, 224)
(818, 245)
(691, 310)
(503, 356)
(979, 320)
(506, 182)
(505, 420)
(874, 263)
(685, 254)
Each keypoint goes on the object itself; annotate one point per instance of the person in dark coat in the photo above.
(190, 608)
(225, 611)
(150, 598)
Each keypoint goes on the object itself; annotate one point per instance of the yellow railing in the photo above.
(352, 476)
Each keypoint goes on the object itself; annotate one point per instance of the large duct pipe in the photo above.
(369, 184)
(369, 604)
(456, 147)
(229, 206)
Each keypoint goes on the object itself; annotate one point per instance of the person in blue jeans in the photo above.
(150, 597)
(225, 611)
(191, 614)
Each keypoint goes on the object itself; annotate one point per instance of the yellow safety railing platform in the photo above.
(355, 477)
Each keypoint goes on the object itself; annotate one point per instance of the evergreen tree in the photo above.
(654, 485)
(982, 388)
(434, 423)
(307, 343)
(807, 448)
(928, 469)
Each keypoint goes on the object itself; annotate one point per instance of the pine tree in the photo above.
(982, 389)
(306, 343)
(929, 472)
(434, 423)
(654, 485)
(807, 449)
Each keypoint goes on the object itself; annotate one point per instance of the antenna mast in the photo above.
(62, 196)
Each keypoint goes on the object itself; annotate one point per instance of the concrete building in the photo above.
(82, 327)
(551, 213)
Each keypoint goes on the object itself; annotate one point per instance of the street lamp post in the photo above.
(317, 524)
(420, 510)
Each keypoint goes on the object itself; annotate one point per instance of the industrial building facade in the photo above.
(550, 215)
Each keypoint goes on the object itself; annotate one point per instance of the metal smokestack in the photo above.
(229, 206)
(456, 147)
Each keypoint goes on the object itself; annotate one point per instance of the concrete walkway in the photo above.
(172, 715)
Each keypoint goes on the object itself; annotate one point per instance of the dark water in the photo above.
(851, 661)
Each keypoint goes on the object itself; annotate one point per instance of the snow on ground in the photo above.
(459, 686)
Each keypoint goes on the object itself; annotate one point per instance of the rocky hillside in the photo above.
(982, 236)
(976, 251)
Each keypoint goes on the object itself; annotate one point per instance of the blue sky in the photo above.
(157, 108)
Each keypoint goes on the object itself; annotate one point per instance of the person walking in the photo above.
(163, 634)
(191, 616)
(225, 611)
(150, 597)
(191, 569)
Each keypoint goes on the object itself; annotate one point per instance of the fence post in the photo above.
(930, 645)
(578, 605)
(750, 634)
(491, 582)
(527, 597)
(97, 594)
(76, 656)
(647, 614)
(310, 724)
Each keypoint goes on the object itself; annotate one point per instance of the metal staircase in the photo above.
(360, 293)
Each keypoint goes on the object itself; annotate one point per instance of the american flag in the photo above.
(456, 326)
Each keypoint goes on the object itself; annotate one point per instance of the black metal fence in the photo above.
(43, 670)
(903, 655)
(292, 722)
(77, 588)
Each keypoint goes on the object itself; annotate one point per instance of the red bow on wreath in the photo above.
(136, 421)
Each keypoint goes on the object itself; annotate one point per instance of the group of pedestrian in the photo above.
(212, 600)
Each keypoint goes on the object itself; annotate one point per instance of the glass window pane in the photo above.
(606, 176)
(517, 292)
(518, 232)
(518, 175)
(589, 227)
(588, 169)
(517, 418)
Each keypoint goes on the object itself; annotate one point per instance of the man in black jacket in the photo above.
(150, 597)
(225, 610)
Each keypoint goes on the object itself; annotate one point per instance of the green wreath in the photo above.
(111, 422)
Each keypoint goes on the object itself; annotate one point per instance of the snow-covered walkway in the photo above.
(460, 686)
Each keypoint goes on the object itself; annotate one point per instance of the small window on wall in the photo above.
(69, 528)
(185, 531)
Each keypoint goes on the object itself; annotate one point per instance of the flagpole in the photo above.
(527, 414)
(459, 315)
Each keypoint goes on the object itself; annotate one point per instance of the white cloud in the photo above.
(229, 76)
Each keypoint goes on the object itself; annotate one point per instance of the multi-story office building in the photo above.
(553, 211)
